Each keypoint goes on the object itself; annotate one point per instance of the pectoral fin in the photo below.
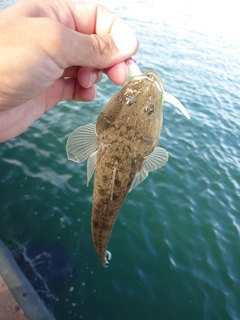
(153, 161)
(91, 166)
(171, 99)
(139, 177)
(81, 143)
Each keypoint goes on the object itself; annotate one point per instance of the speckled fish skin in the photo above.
(128, 129)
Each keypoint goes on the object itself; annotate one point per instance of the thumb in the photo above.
(98, 51)
(101, 39)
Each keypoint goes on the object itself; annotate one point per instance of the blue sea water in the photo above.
(176, 243)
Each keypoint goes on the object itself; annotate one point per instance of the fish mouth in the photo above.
(135, 73)
(155, 78)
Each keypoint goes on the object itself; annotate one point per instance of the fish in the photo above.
(121, 148)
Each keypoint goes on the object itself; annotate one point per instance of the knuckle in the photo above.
(101, 47)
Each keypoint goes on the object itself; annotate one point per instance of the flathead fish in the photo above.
(121, 148)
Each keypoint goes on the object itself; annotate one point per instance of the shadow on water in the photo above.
(48, 267)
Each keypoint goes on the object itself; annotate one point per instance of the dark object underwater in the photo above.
(48, 267)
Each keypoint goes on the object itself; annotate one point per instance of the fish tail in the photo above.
(102, 224)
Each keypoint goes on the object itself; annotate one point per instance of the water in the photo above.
(176, 243)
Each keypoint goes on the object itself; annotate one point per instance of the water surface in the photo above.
(176, 243)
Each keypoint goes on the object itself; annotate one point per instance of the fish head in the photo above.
(145, 93)
(135, 112)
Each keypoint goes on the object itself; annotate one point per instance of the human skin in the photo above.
(56, 50)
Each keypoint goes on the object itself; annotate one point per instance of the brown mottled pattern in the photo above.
(128, 129)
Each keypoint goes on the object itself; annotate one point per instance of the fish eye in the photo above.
(129, 100)
(149, 109)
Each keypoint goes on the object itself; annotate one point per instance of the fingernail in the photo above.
(95, 88)
(125, 40)
(94, 77)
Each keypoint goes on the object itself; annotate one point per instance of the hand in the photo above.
(56, 50)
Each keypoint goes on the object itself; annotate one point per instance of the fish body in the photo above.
(128, 129)
(125, 136)
(126, 133)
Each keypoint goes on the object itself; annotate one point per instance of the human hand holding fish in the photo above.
(121, 148)
(54, 50)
